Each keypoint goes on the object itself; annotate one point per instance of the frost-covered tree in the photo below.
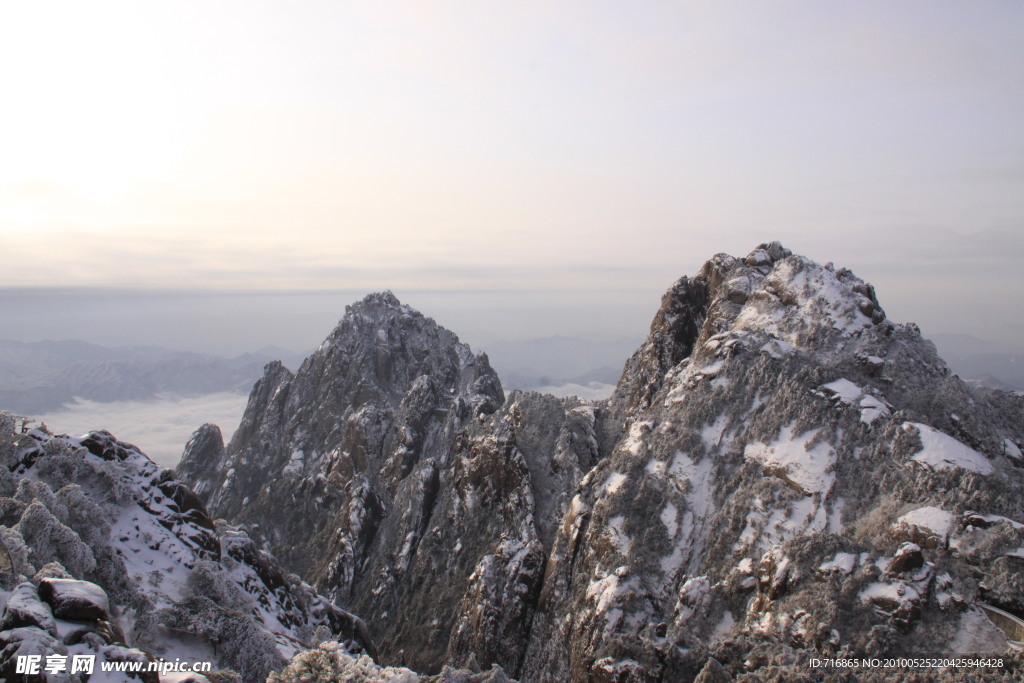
(332, 662)
(239, 641)
(48, 540)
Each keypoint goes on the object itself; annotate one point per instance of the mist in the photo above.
(160, 428)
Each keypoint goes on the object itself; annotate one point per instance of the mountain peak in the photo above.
(767, 253)
(379, 302)
(771, 297)
(716, 503)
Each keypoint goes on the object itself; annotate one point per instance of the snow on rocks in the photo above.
(331, 661)
(1011, 449)
(73, 599)
(940, 451)
(907, 558)
(693, 481)
(25, 641)
(615, 482)
(899, 599)
(798, 293)
(713, 433)
(25, 609)
(797, 459)
(842, 563)
(846, 392)
(98, 508)
(634, 442)
(770, 365)
(977, 519)
(928, 525)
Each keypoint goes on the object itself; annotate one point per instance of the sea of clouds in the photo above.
(159, 427)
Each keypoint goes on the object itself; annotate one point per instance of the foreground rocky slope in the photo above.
(104, 553)
(782, 471)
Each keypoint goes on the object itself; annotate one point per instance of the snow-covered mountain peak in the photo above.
(781, 470)
(771, 300)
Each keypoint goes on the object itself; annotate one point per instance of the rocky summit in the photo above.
(782, 473)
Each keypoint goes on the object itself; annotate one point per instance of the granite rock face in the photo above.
(782, 445)
(391, 471)
(782, 472)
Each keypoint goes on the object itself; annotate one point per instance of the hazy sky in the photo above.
(593, 150)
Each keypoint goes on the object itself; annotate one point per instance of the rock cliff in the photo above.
(781, 471)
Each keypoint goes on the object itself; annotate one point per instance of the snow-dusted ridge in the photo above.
(127, 536)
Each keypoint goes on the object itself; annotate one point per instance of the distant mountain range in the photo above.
(37, 377)
(997, 366)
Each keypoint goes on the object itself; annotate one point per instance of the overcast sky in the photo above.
(583, 154)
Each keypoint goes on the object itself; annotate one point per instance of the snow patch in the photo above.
(871, 409)
(634, 442)
(723, 627)
(931, 518)
(1011, 449)
(765, 530)
(712, 433)
(977, 635)
(294, 466)
(778, 349)
(844, 563)
(939, 451)
(898, 593)
(604, 591)
(792, 458)
(614, 483)
(619, 538)
(670, 518)
(798, 294)
(845, 391)
(694, 481)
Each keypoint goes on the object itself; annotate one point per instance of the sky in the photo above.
(527, 168)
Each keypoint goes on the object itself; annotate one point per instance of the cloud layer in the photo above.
(159, 428)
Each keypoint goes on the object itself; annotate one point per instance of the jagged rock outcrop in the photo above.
(204, 449)
(782, 442)
(781, 472)
(391, 472)
(107, 554)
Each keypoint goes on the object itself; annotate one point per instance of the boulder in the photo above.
(75, 600)
(24, 608)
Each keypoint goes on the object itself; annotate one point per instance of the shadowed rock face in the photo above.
(391, 472)
(780, 471)
(204, 450)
